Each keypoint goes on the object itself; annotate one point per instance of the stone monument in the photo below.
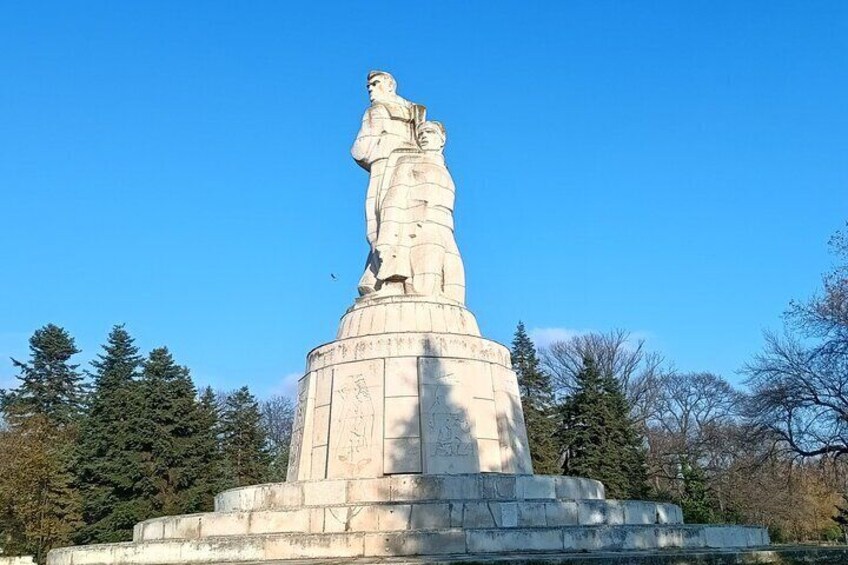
(409, 437)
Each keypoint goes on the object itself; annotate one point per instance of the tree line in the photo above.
(84, 459)
(86, 454)
(600, 405)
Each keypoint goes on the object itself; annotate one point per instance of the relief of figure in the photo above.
(449, 427)
(389, 124)
(357, 419)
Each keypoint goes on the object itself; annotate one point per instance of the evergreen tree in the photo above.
(39, 507)
(537, 401)
(110, 463)
(177, 445)
(50, 386)
(598, 436)
(243, 440)
(209, 446)
(698, 504)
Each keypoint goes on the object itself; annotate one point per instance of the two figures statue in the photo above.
(410, 199)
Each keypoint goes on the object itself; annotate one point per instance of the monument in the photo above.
(409, 437)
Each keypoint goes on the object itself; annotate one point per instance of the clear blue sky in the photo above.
(672, 168)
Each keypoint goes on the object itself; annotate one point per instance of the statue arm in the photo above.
(368, 139)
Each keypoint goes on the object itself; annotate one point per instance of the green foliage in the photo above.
(243, 440)
(698, 504)
(598, 436)
(39, 506)
(50, 386)
(537, 402)
(176, 444)
(110, 465)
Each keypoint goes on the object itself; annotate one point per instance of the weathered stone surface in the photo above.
(408, 344)
(18, 560)
(390, 537)
(406, 314)
(492, 486)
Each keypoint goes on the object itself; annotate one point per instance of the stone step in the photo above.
(408, 488)
(421, 516)
(268, 547)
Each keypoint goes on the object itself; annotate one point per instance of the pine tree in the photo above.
(598, 436)
(177, 445)
(208, 445)
(50, 386)
(110, 463)
(698, 504)
(39, 507)
(537, 401)
(244, 440)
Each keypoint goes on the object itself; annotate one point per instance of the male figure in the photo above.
(388, 124)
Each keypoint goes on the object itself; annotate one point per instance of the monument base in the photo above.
(408, 386)
(410, 515)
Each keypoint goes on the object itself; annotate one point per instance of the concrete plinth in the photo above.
(409, 440)
(393, 396)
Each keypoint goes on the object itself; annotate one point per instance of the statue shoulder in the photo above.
(377, 110)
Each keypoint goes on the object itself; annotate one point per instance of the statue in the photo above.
(388, 124)
(413, 249)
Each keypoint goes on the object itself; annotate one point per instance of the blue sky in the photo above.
(672, 168)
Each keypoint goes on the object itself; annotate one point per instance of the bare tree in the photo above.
(614, 353)
(799, 382)
(692, 408)
(278, 418)
(694, 422)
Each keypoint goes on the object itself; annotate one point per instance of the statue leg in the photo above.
(368, 280)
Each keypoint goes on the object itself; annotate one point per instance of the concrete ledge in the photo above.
(417, 516)
(344, 545)
(408, 344)
(372, 316)
(17, 560)
(801, 555)
(409, 488)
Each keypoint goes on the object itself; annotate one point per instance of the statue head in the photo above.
(431, 136)
(381, 86)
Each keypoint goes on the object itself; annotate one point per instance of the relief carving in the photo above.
(357, 422)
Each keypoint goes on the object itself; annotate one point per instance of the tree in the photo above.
(598, 436)
(110, 465)
(178, 448)
(278, 420)
(537, 402)
(798, 382)
(243, 440)
(615, 353)
(691, 424)
(50, 386)
(698, 504)
(39, 508)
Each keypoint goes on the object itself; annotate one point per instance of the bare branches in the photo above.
(615, 353)
(799, 383)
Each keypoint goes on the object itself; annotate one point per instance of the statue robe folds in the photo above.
(415, 240)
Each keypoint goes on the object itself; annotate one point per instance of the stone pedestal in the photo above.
(409, 440)
(390, 396)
